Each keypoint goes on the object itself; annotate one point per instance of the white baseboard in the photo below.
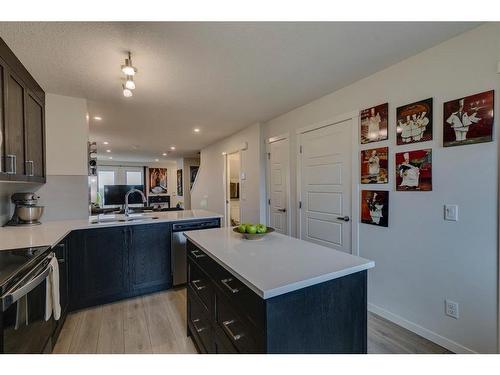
(421, 331)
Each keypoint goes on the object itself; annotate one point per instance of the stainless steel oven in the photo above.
(23, 326)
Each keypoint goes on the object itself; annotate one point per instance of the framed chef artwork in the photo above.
(375, 207)
(374, 166)
(414, 170)
(374, 122)
(468, 120)
(414, 122)
(158, 180)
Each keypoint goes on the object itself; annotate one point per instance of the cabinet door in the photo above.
(149, 257)
(34, 137)
(14, 126)
(98, 266)
(2, 122)
(61, 250)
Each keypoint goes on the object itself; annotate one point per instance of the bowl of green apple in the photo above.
(252, 231)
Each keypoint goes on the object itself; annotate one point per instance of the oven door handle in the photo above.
(24, 286)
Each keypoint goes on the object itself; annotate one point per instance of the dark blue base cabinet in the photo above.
(225, 316)
(110, 264)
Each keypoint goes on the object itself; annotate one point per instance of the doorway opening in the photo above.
(233, 189)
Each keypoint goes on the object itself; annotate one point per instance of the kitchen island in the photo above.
(274, 295)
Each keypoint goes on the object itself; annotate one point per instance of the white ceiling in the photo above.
(220, 77)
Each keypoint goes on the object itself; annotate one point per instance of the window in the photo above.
(134, 178)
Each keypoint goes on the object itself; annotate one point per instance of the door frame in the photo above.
(281, 137)
(355, 192)
(239, 150)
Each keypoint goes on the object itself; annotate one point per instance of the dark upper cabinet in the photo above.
(22, 121)
(14, 126)
(149, 257)
(35, 155)
(98, 266)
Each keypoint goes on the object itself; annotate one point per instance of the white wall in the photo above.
(208, 192)
(422, 259)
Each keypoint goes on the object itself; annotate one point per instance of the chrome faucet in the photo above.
(127, 209)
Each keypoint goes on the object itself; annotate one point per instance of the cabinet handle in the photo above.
(30, 168)
(197, 255)
(226, 282)
(226, 327)
(196, 286)
(198, 329)
(13, 164)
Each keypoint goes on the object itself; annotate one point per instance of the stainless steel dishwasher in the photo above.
(179, 263)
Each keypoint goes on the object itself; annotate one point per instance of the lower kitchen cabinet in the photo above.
(226, 316)
(109, 264)
(61, 250)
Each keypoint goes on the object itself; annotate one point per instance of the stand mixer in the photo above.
(26, 212)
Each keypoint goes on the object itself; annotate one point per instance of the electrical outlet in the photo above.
(451, 308)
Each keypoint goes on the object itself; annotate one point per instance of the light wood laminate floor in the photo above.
(156, 323)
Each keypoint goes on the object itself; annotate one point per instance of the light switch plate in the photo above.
(243, 176)
(451, 212)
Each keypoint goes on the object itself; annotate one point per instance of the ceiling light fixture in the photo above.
(164, 154)
(108, 150)
(130, 84)
(157, 159)
(128, 68)
(97, 118)
(196, 130)
(106, 142)
(127, 92)
(110, 157)
(172, 148)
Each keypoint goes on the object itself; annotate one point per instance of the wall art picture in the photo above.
(374, 166)
(414, 170)
(414, 122)
(158, 180)
(193, 171)
(375, 207)
(468, 120)
(374, 122)
(179, 182)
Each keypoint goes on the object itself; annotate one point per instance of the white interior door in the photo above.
(278, 186)
(325, 186)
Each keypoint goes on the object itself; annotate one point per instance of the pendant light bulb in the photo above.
(130, 84)
(127, 92)
(128, 69)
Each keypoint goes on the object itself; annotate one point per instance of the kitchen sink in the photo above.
(122, 219)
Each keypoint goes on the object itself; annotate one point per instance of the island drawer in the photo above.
(237, 329)
(200, 284)
(239, 295)
(199, 323)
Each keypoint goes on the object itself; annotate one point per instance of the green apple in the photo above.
(251, 229)
(242, 228)
(261, 228)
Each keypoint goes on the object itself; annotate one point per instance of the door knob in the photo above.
(345, 218)
(282, 209)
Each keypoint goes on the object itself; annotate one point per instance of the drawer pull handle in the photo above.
(226, 325)
(196, 254)
(226, 282)
(196, 286)
(199, 330)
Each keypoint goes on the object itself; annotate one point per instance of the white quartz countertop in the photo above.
(276, 264)
(51, 232)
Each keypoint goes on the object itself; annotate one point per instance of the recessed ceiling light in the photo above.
(164, 154)
(157, 159)
(97, 118)
(172, 147)
(106, 142)
(196, 130)
(108, 150)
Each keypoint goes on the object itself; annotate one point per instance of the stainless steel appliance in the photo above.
(179, 263)
(26, 211)
(23, 278)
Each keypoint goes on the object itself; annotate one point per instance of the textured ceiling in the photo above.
(220, 77)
